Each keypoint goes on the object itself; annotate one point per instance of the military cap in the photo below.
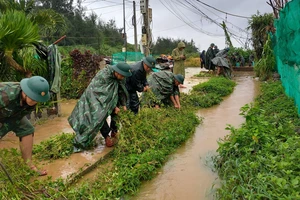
(36, 88)
(149, 61)
(123, 69)
(179, 78)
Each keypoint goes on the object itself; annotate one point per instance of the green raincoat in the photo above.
(179, 62)
(95, 105)
(162, 86)
(209, 56)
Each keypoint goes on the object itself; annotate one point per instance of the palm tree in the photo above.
(16, 32)
(21, 26)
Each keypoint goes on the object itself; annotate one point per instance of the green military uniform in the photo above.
(162, 84)
(13, 111)
(179, 62)
(95, 105)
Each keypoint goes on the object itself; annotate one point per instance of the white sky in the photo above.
(182, 19)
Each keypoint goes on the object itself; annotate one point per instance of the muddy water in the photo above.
(46, 129)
(187, 175)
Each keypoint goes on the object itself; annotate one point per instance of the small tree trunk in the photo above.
(17, 67)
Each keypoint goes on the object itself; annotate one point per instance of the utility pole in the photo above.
(124, 33)
(146, 33)
(134, 25)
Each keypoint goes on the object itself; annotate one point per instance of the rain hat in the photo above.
(179, 78)
(149, 61)
(36, 88)
(123, 69)
(181, 45)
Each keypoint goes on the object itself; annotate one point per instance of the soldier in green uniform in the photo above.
(99, 100)
(164, 86)
(179, 58)
(138, 81)
(16, 101)
(210, 54)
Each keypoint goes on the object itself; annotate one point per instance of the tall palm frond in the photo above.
(19, 33)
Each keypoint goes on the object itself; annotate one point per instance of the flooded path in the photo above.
(187, 175)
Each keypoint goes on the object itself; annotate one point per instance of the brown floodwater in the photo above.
(188, 173)
(45, 129)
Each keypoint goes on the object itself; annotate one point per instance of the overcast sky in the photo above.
(185, 19)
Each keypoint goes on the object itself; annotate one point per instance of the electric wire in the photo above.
(234, 15)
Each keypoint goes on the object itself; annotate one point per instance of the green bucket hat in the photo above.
(179, 78)
(123, 69)
(149, 61)
(36, 88)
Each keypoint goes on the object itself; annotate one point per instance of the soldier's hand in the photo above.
(124, 108)
(146, 88)
(117, 110)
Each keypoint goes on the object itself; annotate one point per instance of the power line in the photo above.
(180, 18)
(223, 11)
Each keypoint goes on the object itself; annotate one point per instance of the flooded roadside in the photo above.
(187, 175)
(45, 129)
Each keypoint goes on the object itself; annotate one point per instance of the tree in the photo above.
(260, 24)
(16, 32)
(21, 25)
(166, 46)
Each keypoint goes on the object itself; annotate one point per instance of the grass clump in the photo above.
(58, 146)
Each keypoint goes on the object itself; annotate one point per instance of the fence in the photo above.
(287, 49)
(131, 57)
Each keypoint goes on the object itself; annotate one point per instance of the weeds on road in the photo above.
(58, 146)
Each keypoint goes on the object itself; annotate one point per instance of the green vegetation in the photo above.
(166, 46)
(59, 146)
(260, 159)
(266, 65)
(260, 25)
(146, 140)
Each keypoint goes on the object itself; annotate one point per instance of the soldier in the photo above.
(179, 58)
(208, 56)
(138, 81)
(164, 85)
(202, 59)
(99, 100)
(16, 101)
(216, 49)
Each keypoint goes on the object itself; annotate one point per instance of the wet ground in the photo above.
(188, 174)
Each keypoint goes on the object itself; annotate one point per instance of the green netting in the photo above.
(131, 57)
(287, 49)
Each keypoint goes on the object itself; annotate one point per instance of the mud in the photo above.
(46, 129)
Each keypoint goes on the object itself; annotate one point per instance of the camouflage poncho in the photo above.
(162, 86)
(209, 55)
(95, 105)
